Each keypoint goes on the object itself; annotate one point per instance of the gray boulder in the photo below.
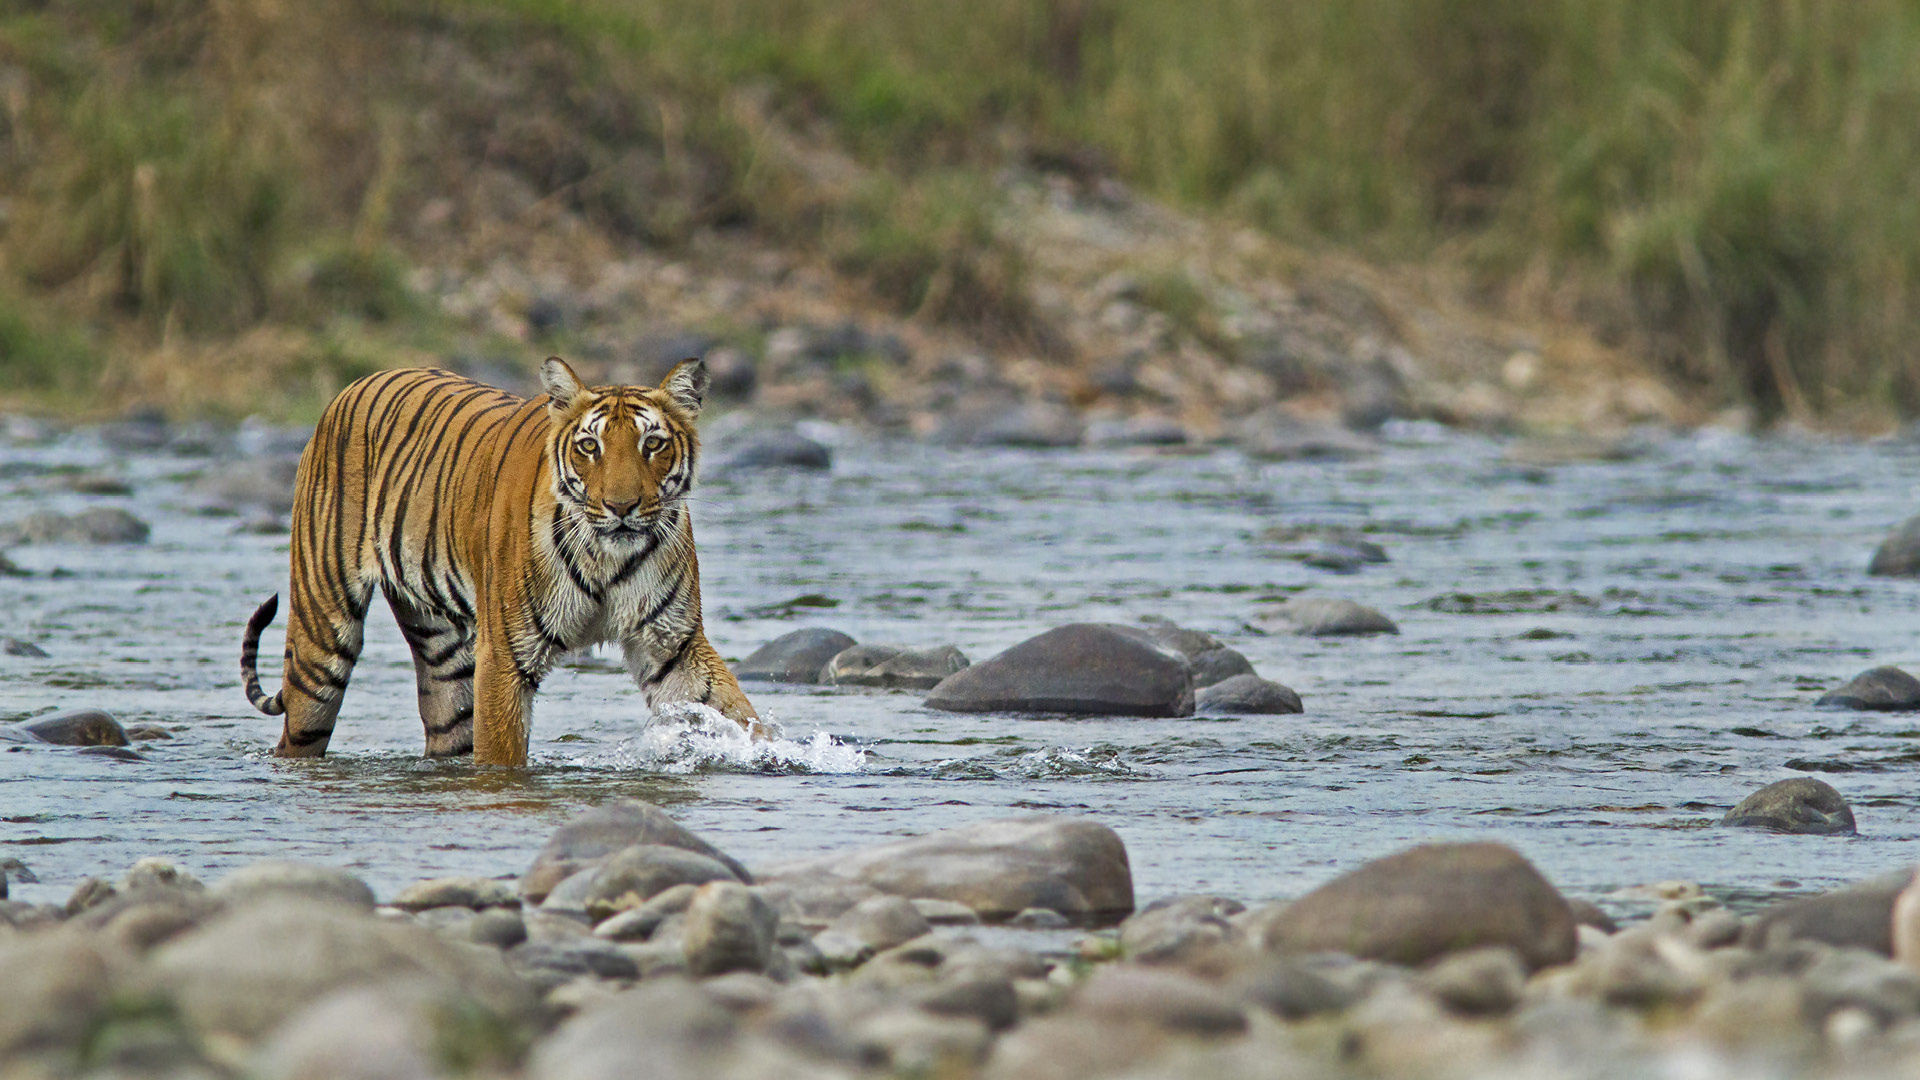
(1319, 616)
(98, 525)
(603, 830)
(1248, 695)
(1883, 689)
(87, 727)
(1859, 916)
(1073, 866)
(1037, 425)
(892, 667)
(1275, 435)
(1088, 668)
(728, 928)
(872, 926)
(1899, 554)
(1430, 901)
(1799, 805)
(637, 874)
(297, 880)
(464, 892)
(795, 657)
(263, 485)
(777, 448)
(667, 1028)
(1217, 665)
(1178, 927)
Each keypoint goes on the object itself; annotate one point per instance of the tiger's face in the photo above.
(622, 455)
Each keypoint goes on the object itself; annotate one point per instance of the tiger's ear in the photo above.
(686, 384)
(560, 383)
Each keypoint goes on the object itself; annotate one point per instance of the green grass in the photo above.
(1723, 185)
(38, 354)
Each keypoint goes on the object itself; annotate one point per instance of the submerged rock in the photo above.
(1078, 668)
(608, 828)
(1884, 689)
(795, 657)
(1247, 694)
(99, 525)
(893, 667)
(1319, 616)
(1073, 866)
(1429, 901)
(14, 646)
(1899, 554)
(1799, 805)
(778, 448)
(86, 727)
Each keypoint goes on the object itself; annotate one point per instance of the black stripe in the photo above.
(459, 674)
(308, 738)
(672, 593)
(460, 716)
(668, 668)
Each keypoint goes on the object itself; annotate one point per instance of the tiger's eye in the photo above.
(654, 444)
(588, 446)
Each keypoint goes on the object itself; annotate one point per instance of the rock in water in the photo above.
(1073, 866)
(1799, 805)
(897, 668)
(100, 525)
(782, 448)
(1884, 689)
(1247, 695)
(796, 657)
(1318, 616)
(1898, 555)
(1859, 916)
(604, 830)
(1218, 665)
(88, 727)
(1078, 668)
(1429, 901)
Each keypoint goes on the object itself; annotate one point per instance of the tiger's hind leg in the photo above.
(323, 643)
(443, 671)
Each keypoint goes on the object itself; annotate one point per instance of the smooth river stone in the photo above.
(99, 525)
(460, 892)
(604, 830)
(1088, 668)
(1074, 866)
(637, 874)
(1859, 916)
(778, 448)
(1430, 901)
(87, 727)
(307, 881)
(1799, 805)
(796, 657)
(893, 667)
(1248, 695)
(728, 928)
(1883, 689)
(1899, 554)
(1320, 616)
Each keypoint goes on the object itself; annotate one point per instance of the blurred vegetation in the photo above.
(1722, 184)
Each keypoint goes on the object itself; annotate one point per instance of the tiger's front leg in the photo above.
(502, 702)
(690, 669)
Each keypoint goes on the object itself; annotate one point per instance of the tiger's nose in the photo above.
(619, 509)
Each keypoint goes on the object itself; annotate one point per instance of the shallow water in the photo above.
(1699, 597)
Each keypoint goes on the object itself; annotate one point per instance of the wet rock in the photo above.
(1213, 666)
(998, 868)
(1477, 982)
(1429, 901)
(872, 926)
(247, 971)
(1899, 554)
(1319, 616)
(117, 753)
(1143, 430)
(147, 732)
(728, 928)
(1274, 435)
(1884, 689)
(893, 668)
(604, 830)
(638, 924)
(795, 657)
(87, 727)
(259, 485)
(1086, 668)
(1303, 538)
(669, 1024)
(97, 525)
(306, 881)
(14, 870)
(466, 892)
(1163, 999)
(637, 874)
(1799, 805)
(57, 985)
(14, 646)
(1178, 928)
(776, 448)
(1246, 695)
(1859, 916)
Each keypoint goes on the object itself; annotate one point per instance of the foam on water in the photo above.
(688, 737)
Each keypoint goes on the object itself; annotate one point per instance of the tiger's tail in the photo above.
(250, 652)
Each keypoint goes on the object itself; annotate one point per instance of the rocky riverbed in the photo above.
(1007, 949)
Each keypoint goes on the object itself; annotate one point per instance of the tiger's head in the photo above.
(622, 455)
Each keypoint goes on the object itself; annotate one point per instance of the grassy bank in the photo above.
(1719, 185)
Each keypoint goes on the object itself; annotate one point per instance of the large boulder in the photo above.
(1799, 805)
(604, 830)
(86, 727)
(263, 963)
(1073, 866)
(1087, 668)
(1899, 554)
(1883, 689)
(1429, 901)
(796, 657)
(1859, 916)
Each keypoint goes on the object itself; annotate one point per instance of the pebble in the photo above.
(798, 656)
(1318, 616)
(1246, 695)
(1801, 804)
(1883, 689)
(1088, 668)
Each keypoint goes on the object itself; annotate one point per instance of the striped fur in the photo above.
(503, 533)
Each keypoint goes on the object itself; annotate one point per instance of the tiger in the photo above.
(504, 533)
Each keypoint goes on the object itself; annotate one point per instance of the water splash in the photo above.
(686, 738)
(1100, 762)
